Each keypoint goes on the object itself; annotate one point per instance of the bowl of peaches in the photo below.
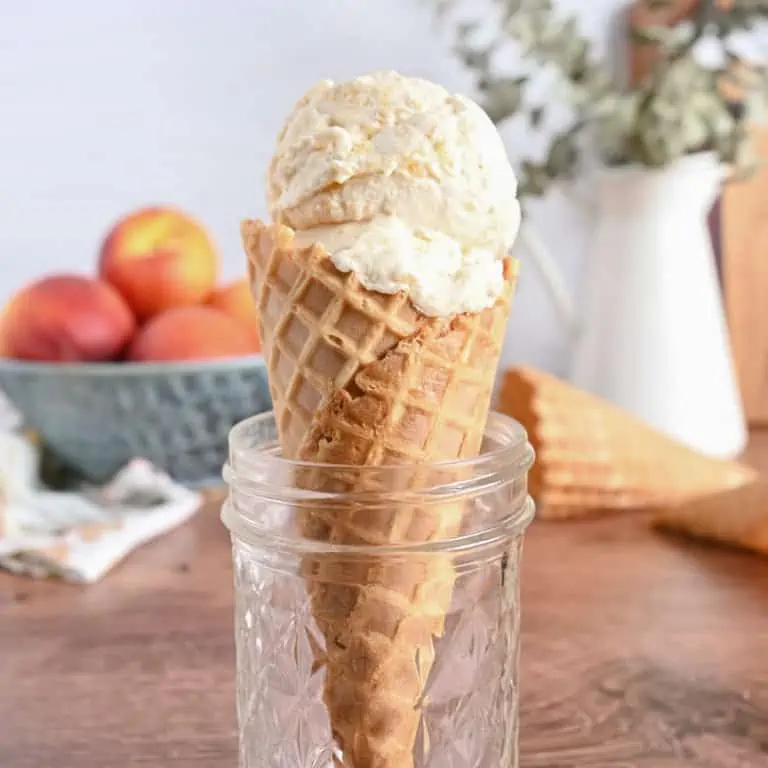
(150, 356)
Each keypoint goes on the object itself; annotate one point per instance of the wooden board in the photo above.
(744, 226)
(742, 230)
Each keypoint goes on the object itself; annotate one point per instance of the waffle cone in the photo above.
(737, 517)
(594, 457)
(363, 379)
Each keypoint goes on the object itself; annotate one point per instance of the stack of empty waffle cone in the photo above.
(593, 457)
(737, 517)
(364, 379)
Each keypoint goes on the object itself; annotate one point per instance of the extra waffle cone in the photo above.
(593, 457)
(737, 517)
(362, 379)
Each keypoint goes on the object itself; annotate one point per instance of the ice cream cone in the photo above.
(593, 457)
(359, 378)
(737, 517)
(318, 324)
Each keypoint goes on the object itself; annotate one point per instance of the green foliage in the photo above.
(679, 109)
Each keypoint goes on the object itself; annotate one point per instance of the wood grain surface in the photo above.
(638, 650)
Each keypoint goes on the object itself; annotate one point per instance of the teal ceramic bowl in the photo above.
(96, 417)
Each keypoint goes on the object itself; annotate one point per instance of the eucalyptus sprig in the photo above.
(680, 108)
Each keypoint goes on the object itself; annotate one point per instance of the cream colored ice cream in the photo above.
(403, 183)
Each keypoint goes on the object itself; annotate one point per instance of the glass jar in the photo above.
(377, 608)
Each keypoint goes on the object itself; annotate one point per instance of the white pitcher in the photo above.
(652, 337)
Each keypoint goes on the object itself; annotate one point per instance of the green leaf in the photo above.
(746, 159)
(521, 29)
(503, 97)
(757, 105)
(695, 131)
(652, 35)
(570, 31)
(655, 5)
(562, 157)
(578, 61)
(575, 58)
(466, 29)
(606, 107)
(512, 7)
(721, 122)
(536, 117)
(724, 146)
(534, 180)
(475, 58)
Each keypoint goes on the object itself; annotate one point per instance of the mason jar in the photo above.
(377, 609)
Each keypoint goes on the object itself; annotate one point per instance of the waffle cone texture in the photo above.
(593, 457)
(363, 379)
(737, 517)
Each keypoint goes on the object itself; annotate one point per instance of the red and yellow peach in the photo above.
(190, 333)
(66, 318)
(159, 258)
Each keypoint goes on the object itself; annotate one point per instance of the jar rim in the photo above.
(260, 480)
(513, 449)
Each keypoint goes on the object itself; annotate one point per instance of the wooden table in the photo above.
(638, 650)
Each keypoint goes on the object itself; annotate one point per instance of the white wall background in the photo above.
(105, 106)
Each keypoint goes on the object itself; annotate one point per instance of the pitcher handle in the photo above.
(550, 274)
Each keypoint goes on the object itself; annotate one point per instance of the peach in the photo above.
(3, 343)
(159, 258)
(66, 318)
(190, 333)
(237, 301)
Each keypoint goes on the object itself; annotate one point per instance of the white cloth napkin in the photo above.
(80, 536)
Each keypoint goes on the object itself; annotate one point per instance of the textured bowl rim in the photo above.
(129, 368)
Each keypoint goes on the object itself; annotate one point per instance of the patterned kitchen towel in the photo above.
(80, 536)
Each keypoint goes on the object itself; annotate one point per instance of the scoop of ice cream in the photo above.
(421, 170)
(390, 256)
